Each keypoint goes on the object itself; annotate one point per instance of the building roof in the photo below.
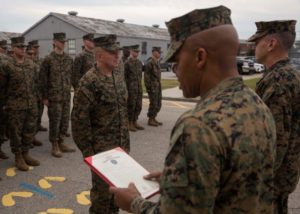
(103, 27)
(8, 35)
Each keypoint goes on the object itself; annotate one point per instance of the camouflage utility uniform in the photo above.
(100, 123)
(40, 103)
(152, 77)
(19, 80)
(55, 74)
(280, 90)
(133, 77)
(82, 63)
(220, 158)
(3, 114)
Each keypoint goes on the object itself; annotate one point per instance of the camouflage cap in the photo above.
(108, 43)
(89, 36)
(126, 47)
(59, 37)
(29, 48)
(158, 49)
(278, 26)
(135, 48)
(182, 27)
(18, 41)
(34, 43)
(3, 44)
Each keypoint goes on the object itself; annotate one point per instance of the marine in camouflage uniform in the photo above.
(99, 117)
(34, 44)
(18, 77)
(55, 72)
(152, 76)
(221, 153)
(84, 61)
(280, 90)
(133, 78)
(30, 56)
(3, 114)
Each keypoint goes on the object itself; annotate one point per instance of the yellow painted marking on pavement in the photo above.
(57, 211)
(179, 105)
(11, 172)
(8, 201)
(82, 198)
(46, 185)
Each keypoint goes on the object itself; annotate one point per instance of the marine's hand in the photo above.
(46, 102)
(153, 176)
(124, 196)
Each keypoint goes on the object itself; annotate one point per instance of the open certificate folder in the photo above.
(118, 169)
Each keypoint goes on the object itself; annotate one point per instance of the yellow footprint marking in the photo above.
(8, 201)
(11, 172)
(46, 185)
(57, 211)
(82, 198)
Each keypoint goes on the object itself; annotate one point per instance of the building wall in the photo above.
(44, 33)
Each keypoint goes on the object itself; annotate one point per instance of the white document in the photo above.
(118, 169)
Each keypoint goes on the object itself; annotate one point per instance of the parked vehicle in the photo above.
(259, 68)
(245, 65)
(165, 66)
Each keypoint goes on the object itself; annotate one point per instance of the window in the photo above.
(71, 46)
(144, 48)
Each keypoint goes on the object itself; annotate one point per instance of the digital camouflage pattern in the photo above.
(133, 77)
(20, 82)
(278, 26)
(152, 76)
(100, 123)
(220, 158)
(40, 103)
(82, 63)
(3, 114)
(195, 21)
(279, 88)
(55, 74)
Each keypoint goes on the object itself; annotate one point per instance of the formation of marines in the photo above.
(237, 151)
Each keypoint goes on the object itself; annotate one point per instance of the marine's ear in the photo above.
(201, 57)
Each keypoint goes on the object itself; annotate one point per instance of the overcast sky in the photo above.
(19, 15)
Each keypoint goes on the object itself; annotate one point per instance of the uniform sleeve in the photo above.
(81, 123)
(4, 78)
(277, 99)
(44, 72)
(126, 74)
(191, 175)
(147, 76)
(76, 71)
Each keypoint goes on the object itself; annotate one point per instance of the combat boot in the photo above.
(159, 123)
(131, 127)
(151, 122)
(42, 128)
(20, 162)
(36, 142)
(55, 152)
(2, 154)
(138, 126)
(65, 148)
(30, 160)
